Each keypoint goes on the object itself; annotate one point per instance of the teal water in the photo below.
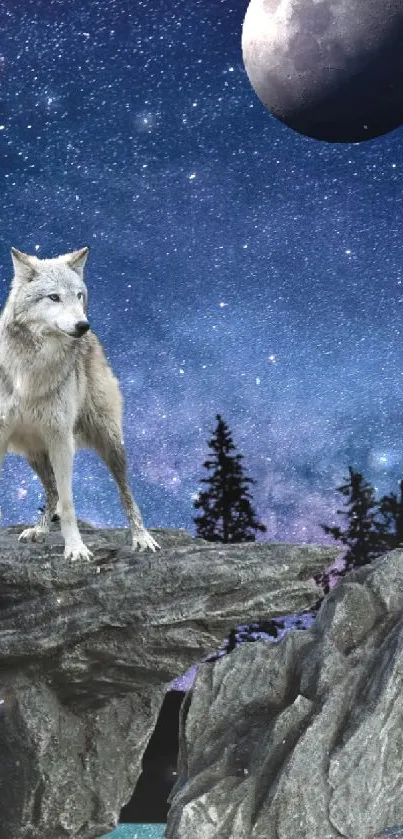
(137, 831)
(156, 831)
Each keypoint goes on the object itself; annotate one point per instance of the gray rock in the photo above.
(87, 651)
(303, 738)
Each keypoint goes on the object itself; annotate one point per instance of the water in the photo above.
(137, 831)
(156, 831)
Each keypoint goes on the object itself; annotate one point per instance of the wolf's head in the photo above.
(49, 295)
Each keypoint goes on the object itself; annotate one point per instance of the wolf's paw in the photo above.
(78, 551)
(143, 541)
(33, 534)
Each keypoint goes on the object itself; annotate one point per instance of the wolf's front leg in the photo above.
(108, 443)
(3, 451)
(61, 454)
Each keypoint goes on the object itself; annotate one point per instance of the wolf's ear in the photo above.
(76, 260)
(25, 266)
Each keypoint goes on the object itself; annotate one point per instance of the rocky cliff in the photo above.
(303, 738)
(88, 649)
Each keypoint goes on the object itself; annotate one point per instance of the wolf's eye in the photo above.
(80, 295)
(54, 297)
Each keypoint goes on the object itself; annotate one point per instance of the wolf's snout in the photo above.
(81, 328)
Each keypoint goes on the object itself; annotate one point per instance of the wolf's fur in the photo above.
(57, 391)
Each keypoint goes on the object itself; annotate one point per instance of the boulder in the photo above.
(87, 651)
(303, 738)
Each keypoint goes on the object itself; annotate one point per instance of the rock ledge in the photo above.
(87, 651)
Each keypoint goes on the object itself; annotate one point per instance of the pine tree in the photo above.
(227, 512)
(391, 525)
(362, 537)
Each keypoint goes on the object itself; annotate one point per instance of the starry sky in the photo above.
(236, 267)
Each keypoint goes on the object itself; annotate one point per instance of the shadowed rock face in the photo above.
(304, 738)
(88, 649)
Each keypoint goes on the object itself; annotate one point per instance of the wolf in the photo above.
(58, 392)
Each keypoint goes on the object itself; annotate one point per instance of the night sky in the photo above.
(236, 267)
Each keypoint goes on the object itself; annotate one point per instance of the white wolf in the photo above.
(57, 391)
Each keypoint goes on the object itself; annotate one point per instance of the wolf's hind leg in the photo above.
(107, 442)
(41, 464)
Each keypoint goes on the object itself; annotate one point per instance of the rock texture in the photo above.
(88, 649)
(303, 738)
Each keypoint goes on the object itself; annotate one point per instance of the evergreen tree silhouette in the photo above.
(391, 524)
(227, 512)
(363, 536)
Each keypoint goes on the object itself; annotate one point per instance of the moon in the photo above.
(329, 69)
